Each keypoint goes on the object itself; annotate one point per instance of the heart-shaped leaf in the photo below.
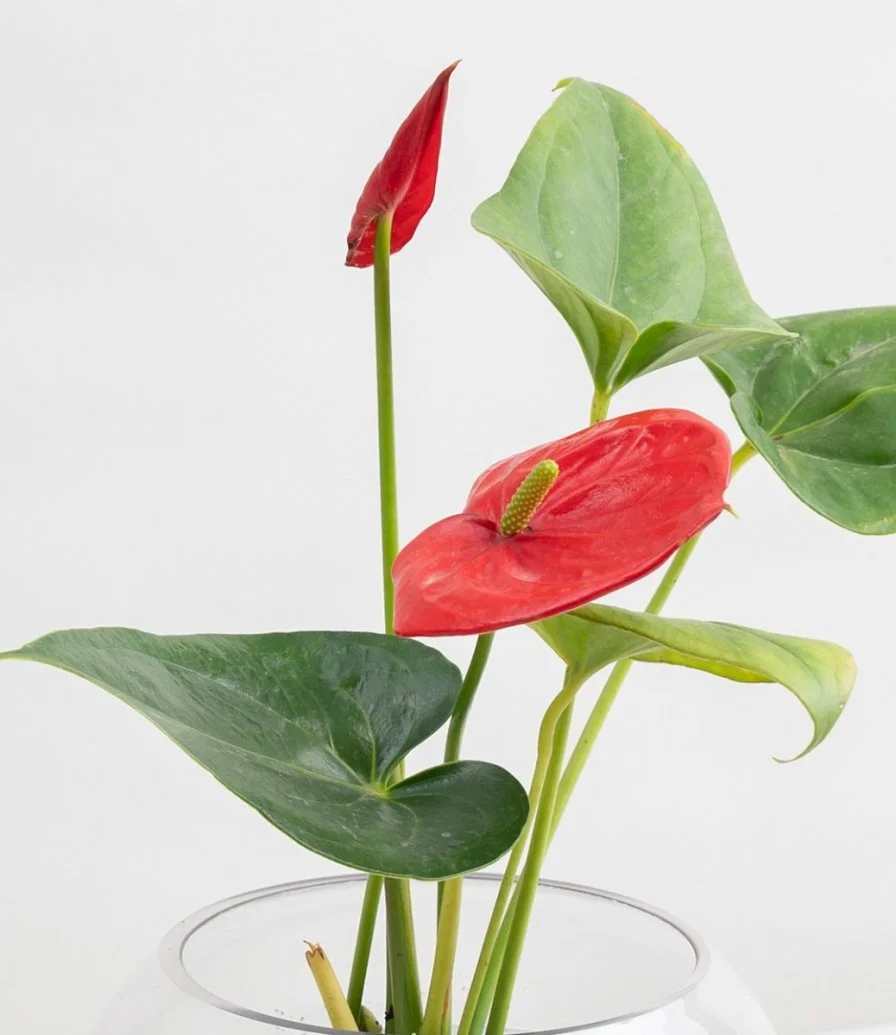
(819, 674)
(822, 411)
(307, 728)
(612, 220)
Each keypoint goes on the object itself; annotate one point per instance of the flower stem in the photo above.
(439, 999)
(580, 753)
(382, 306)
(490, 940)
(389, 1018)
(406, 1002)
(456, 726)
(399, 918)
(385, 396)
(473, 1015)
(551, 745)
(479, 1014)
(483, 1004)
(363, 943)
(465, 697)
(482, 988)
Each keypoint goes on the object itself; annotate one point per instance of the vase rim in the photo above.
(173, 945)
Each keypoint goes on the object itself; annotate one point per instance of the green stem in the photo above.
(385, 410)
(551, 745)
(483, 1004)
(594, 724)
(456, 726)
(484, 1001)
(746, 452)
(464, 702)
(462, 708)
(467, 693)
(497, 936)
(363, 944)
(485, 978)
(389, 1019)
(385, 398)
(490, 940)
(600, 406)
(580, 753)
(439, 999)
(406, 1001)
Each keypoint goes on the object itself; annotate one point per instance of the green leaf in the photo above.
(610, 218)
(819, 674)
(821, 409)
(307, 728)
(588, 647)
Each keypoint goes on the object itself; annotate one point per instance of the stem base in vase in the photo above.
(593, 960)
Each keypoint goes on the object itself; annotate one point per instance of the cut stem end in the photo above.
(330, 990)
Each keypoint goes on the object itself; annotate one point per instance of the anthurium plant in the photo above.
(606, 213)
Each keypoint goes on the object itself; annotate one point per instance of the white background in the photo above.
(187, 429)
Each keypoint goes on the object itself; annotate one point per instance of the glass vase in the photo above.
(593, 961)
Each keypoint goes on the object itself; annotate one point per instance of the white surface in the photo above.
(187, 428)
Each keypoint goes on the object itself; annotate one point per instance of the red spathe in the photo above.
(630, 491)
(404, 182)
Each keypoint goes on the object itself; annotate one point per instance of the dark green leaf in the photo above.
(612, 220)
(307, 728)
(821, 409)
(819, 674)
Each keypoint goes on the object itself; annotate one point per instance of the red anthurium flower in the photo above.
(553, 528)
(404, 182)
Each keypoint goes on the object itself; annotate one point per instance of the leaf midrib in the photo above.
(836, 461)
(245, 695)
(608, 619)
(816, 385)
(160, 717)
(614, 272)
(836, 414)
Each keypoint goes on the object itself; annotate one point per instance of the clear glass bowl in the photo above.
(593, 961)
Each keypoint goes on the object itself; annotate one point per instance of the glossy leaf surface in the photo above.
(821, 409)
(404, 181)
(819, 674)
(611, 219)
(629, 492)
(307, 728)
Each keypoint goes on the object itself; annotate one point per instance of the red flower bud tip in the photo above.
(404, 182)
(542, 536)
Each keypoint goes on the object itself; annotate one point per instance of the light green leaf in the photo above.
(307, 728)
(611, 219)
(821, 409)
(586, 647)
(714, 666)
(819, 674)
